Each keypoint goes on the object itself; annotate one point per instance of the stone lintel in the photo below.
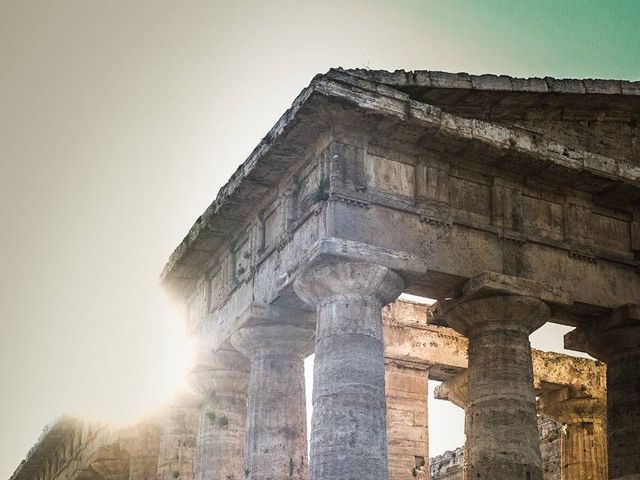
(490, 284)
(262, 313)
(404, 363)
(601, 337)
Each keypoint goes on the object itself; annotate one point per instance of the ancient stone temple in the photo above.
(513, 202)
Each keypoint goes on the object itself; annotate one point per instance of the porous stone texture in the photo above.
(177, 450)
(407, 392)
(276, 444)
(411, 340)
(448, 466)
(616, 341)
(221, 379)
(348, 429)
(501, 425)
(550, 432)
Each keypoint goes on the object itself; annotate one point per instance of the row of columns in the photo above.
(348, 435)
(583, 450)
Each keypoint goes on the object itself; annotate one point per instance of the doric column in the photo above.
(221, 380)
(583, 438)
(498, 313)
(276, 443)
(616, 341)
(348, 433)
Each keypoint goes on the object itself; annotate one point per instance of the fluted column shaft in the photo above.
(222, 384)
(616, 341)
(583, 441)
(623, 414)
(348, 433)
(276, 443)
(583, 451)
(501, 422)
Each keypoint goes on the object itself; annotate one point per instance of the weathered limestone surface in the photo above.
(583, 439)
(407, 426)
(160, 447)
(276, 443)
(221, 379)
(435, 178)
(616, 341)
(550, 435)
(177, 450)
(410, 339)
(500, 425)
(348, 430)
(448, 466)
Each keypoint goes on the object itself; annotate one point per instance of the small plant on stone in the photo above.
(211, 416)
(322, 192)
(223, 421)
(246, 255)
(241, 270)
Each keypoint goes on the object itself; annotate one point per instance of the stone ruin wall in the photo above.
(159, 447)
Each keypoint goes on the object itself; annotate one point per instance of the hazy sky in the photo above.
(120, 120)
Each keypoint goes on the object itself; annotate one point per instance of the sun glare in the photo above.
(140, 373)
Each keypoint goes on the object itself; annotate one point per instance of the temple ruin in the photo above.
(512, 202)
(163, 446)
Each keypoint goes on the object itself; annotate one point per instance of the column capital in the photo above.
(610, 337)
(566, 405)
(325, 281)
(455, 390)
(274, 338)
(506, 312)
(492, 300)
(224, 370)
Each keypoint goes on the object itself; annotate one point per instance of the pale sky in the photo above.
(120, 120)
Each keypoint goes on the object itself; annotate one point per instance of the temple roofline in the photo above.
(407, 97)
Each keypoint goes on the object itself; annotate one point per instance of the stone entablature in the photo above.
(470, 195)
